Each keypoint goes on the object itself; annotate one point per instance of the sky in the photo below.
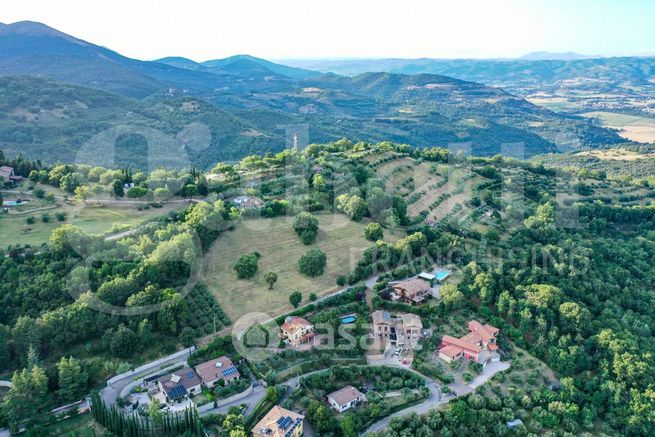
(314, 29)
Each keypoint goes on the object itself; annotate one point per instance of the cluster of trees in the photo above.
(38, 315)
(186, 423)
(315, 387)
(29, 394)
(565, 296)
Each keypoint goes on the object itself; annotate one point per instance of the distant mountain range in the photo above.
(59, 90)
(534, 72)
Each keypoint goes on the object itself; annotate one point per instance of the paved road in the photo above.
(251, 400)
(435, 399)
(110, 393)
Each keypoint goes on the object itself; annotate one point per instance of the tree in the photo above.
(313, 262)
(136, 192)
(451, 296)
(39, 193)
(233, 426)
(4, 346)
(28, 394)
(155, 413)
(353, 206)
(123, 342)
(306, 227)
(26, 332)
(373, 231)
(72, 379)
(271, 279)
(117, 188)
(82, 193)
(162, 194)
(69, 182)
(188, 191)
(295, 298)
(187, 336)
(246, 266)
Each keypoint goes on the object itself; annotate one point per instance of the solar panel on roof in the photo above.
(230, 371)
(177, 392)
(190, 375)
(284, 422)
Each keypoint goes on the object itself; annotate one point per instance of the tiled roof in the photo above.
(485, 332)
(187, 379)
(293, 324)
(412, 287)
(380, 316)
(412, 320)
(451, 351)
(279, 422)
(346, 395)
(461, 343)
(215, 369)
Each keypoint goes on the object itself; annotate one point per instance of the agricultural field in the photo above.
(631, 127)
(92, 219)
(280, 248)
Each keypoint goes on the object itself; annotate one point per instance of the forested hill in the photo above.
(50, 120)
(254, 99)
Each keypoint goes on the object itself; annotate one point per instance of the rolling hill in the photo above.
(246, 102)
(561, 81)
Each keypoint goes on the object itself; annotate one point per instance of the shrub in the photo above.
(373, 232)
(312, 263)
(295, 298)
(306, 227)
(246, 266)
(30, 220)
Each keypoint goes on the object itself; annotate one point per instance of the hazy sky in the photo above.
(201, 30)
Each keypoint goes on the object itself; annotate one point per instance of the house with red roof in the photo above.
(218, 369)
(297, 330)
(478, 345)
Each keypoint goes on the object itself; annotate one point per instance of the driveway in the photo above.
(433, 401)
(436, 398)
(115, 385)
(251, 400)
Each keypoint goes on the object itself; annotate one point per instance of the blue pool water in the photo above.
(441, 275)
(348, 319)
(12, 202)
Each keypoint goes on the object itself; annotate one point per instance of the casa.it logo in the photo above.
(255, 336)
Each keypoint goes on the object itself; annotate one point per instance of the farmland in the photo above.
(280, 248)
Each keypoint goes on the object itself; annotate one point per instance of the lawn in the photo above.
(92, 219)
(79, 426)
(280, 248)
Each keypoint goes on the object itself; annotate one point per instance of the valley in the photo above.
(403, 226)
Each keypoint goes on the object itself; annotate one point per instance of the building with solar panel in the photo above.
(179, 385)
(216, 370)
(279, 422)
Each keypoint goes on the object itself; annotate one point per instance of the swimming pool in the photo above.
(348, 319)
(441, 275)
(13, 202)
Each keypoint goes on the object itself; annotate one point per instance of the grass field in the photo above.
(280, 248)
(94, 220)
(78, 426)
(635, 128)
